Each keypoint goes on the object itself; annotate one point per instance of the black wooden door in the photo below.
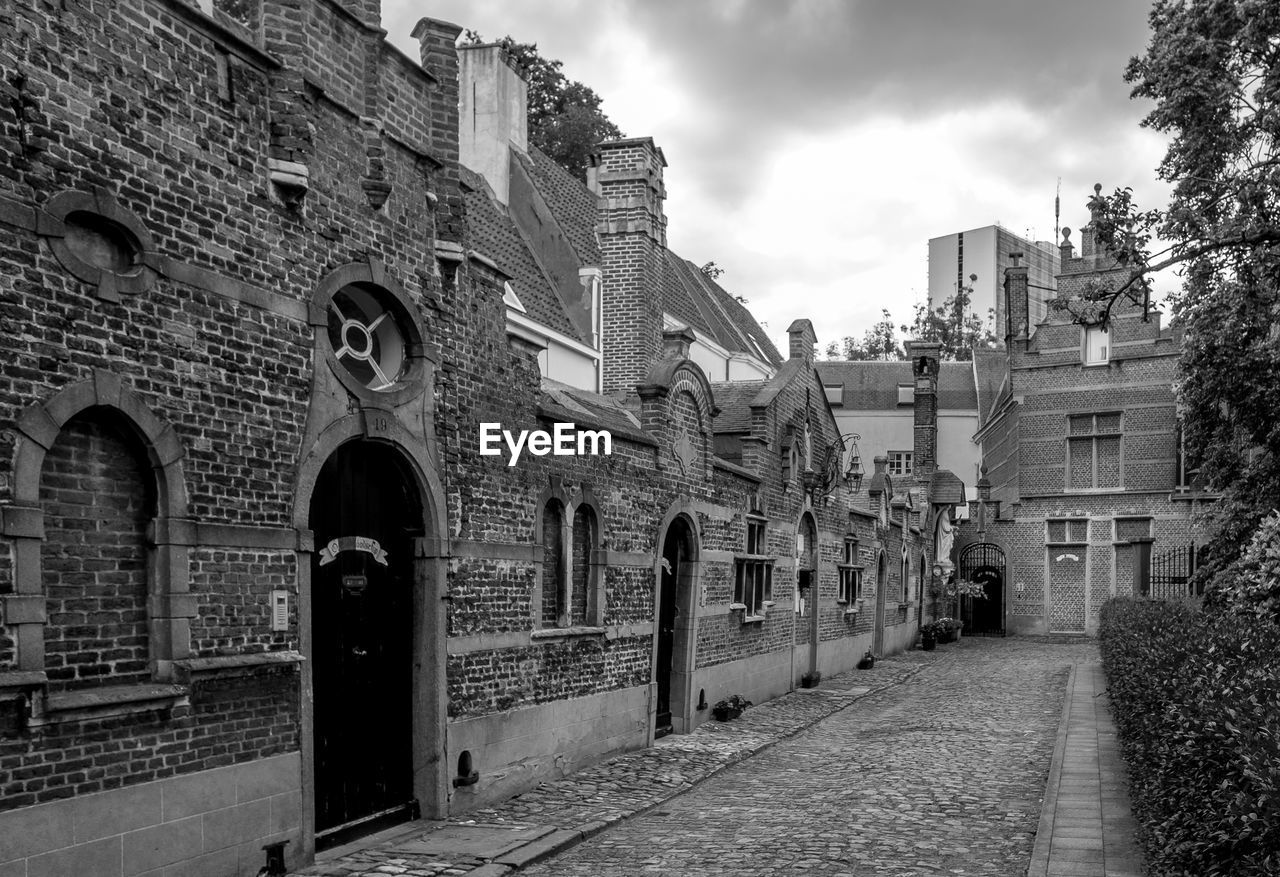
(364, 517)
(672, 557)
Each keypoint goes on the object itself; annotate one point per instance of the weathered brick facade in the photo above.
(1081, 453)
(252, 330)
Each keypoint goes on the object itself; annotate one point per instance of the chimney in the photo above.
(925, 357)
(493, 114)
(1015, 296)
(439, 55)
(632, 230)
(803, 338)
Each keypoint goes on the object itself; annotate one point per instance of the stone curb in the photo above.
(563, 839)
(1039, 866)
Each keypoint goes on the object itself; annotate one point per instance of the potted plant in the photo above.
(928, 638)
(730, 708)
(946, 629)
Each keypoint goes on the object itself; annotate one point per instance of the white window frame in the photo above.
(1092, 352)
(901, 463)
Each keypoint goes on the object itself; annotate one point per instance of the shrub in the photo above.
(1196, 698)
(1252, 584)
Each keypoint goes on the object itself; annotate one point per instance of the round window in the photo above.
(102, 243)
(368, 337)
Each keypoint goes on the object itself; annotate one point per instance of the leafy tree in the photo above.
(953, 326)
(878, 342)
(1213, 71)
(565, 118)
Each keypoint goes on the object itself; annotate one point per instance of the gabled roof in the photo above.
(990, 368)
(696, 299)
(734, 398)
(573, 203)
(872, 385)
(494, 235)
(688, 294)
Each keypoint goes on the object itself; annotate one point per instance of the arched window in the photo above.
(553, 564)
(98, 497)
(584, 602)
(905, 574)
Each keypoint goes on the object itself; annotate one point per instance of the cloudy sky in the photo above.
(815, 146)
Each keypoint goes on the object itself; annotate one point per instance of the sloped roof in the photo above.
(495, 236)
(688, 294)
(989, 369)
(734, 398)
(602, 411)
(572, 202)
(872, 385)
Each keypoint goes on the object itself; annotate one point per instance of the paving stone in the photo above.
(931, 763)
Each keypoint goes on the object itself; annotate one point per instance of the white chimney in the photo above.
(493, 114)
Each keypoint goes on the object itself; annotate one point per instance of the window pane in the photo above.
(1080, 462)
(1109, 422)
(1057, 531)
(1108, 462)
(1080, 424)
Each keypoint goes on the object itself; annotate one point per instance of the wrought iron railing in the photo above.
(1173, 575)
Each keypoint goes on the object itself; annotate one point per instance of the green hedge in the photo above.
(1196, 698)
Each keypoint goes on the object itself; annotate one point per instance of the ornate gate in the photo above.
(983, 563)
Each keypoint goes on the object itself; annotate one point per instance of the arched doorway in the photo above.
(675, 628)
(983, 563)
(807, 584)
(366, 513)
(882, 586)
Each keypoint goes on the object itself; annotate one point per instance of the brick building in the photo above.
(1080, 445)
(257, 582)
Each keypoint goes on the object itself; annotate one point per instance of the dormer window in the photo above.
(834, 393)
(1097, 344)
(906, 394)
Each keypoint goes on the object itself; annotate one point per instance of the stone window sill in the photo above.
(227, 666)
(751, 619)
(16, 683)
(557, 633)
(106, 702)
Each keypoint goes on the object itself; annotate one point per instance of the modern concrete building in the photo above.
(978, 258)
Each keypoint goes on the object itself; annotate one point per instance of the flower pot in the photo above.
(928, 643)
(725, 714)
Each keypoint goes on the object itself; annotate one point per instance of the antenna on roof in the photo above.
(1057, 205)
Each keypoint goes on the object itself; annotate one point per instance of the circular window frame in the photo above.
(371, 274)
(101, 205)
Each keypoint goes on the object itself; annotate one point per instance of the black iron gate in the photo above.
(1172, 573)
(983, 563)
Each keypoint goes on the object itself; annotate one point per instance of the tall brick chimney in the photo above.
(803, 338)
(439, 56)
(925, 357)
(1016, 308)
(627, 178)
(493, 114)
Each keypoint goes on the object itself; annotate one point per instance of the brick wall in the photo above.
(97, 505)
(149, 109)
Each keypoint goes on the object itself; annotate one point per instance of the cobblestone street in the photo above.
(942, 774)
(932, 763)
